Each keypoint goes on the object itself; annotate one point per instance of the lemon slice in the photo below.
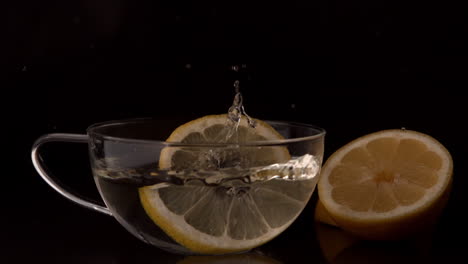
(386, 184)
(215, 129)
(210, 219)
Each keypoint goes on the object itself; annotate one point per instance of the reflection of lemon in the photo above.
(211, 220)
(338, 246)
(321, 215)
(333, 241)
(386, 184)
(229, 259)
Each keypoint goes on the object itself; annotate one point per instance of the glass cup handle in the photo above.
(44, 173)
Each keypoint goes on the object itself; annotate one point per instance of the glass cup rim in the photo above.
(92, 132)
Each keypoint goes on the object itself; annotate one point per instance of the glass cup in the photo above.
(165, 194)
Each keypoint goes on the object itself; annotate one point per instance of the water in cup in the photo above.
(211, 199)
(229, 210)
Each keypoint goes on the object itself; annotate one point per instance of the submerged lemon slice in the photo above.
(210, 219)
(386, 184)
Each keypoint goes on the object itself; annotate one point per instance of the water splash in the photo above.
(300, 168)
(236, 111)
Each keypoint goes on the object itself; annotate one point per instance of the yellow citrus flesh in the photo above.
(205, 219)
(386, 184)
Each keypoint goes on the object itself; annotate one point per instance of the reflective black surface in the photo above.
(352, 67)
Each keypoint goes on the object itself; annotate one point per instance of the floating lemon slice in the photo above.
(210, 220)
(386, 184)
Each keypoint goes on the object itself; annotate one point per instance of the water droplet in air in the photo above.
(237, 86)
(76, 20)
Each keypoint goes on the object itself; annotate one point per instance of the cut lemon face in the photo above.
(386, 184)
(230, 217)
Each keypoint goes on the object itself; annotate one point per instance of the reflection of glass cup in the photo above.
(230, 259)
(255, 199)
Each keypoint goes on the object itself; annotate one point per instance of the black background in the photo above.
(352, 67)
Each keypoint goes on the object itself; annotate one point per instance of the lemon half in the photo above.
(386, 184)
